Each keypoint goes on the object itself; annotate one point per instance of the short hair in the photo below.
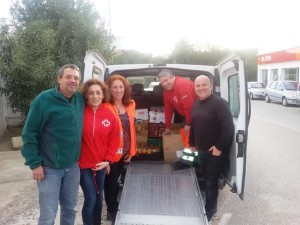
(62, 69)
(127, 90)
(91, 82)
(165, 72)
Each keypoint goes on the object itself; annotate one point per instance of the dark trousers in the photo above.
(111, 188)
(212, 167)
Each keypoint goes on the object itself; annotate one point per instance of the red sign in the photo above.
(292, 54)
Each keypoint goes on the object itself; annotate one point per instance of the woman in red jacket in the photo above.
(123, 107)
(98, 149)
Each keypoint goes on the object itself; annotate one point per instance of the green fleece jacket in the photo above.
(52, 132)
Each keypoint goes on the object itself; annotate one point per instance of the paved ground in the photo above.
(18, 191)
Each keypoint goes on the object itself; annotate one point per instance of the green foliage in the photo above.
(251, 67)
(132, 57)
(186, 53)
(43, 36)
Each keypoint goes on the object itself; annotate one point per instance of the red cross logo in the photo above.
(105, 123)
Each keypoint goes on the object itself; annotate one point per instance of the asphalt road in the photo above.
(272, 191)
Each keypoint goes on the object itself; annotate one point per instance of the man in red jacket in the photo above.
(179, 94)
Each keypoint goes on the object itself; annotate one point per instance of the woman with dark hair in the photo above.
(98, 149)
(123, 107)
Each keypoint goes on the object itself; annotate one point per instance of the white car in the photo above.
(151, 86)
(256, 90)
(282, 91)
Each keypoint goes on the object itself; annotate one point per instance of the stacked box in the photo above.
(172, 143)
(156, 129)
(156, 115)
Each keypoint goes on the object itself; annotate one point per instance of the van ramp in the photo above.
(155, 194)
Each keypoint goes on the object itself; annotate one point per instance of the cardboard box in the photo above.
(156, 129)
(171, 144)
(141, 114)
(141, 126)
(142, 137)
(156, 115)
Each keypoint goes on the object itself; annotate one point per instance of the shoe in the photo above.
(108, 217)
(180, 166)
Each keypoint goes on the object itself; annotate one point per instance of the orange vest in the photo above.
(130, 109)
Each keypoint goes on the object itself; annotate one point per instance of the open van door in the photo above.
(94, 66)
(233, 88)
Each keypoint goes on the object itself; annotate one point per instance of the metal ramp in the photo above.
(154, 194)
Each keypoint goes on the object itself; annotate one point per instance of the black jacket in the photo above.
(211, 124)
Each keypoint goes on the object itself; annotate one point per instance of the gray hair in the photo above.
(165, 73)
(71, 66)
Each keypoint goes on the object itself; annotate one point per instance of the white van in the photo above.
(229, 82)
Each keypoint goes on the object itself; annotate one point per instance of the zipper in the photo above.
(94, 124)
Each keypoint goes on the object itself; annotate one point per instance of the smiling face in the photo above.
(94, 96)
(69, 82)
(167, 82)
(203, 87)
(117, 89)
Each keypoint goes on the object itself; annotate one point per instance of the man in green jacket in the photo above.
(52, 143)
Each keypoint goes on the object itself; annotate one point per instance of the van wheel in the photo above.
(284, 101)
(267, 99)
(251, 96)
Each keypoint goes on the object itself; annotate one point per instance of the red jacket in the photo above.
(99, 135)
(180, 98)
(130, 109)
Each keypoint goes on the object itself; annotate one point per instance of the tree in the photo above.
(205, 54)
(42, 36)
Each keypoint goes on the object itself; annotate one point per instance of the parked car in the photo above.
(298, 95)
(151, 86)
(282, 91)
(256, 90)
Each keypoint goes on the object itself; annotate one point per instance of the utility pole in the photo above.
(109, 17)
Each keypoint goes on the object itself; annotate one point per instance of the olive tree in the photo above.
(42, 36)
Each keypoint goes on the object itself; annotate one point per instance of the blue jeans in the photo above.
(59, 185)
(92, 184)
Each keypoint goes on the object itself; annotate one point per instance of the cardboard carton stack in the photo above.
(152, 144)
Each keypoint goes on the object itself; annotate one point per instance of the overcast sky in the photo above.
(154, 26)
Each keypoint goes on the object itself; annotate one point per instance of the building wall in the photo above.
(280, 65)
(7, 117)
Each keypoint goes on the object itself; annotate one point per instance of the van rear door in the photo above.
(94, 66)
(233, 88)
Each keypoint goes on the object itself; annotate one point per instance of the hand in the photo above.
(38, 173)
(100, 166)
(187, 129)
(107, 169)
(127, 158)
(167, 131)
(215, 151)
(193, 149)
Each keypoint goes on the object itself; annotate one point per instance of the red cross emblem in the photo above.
(105, 123)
